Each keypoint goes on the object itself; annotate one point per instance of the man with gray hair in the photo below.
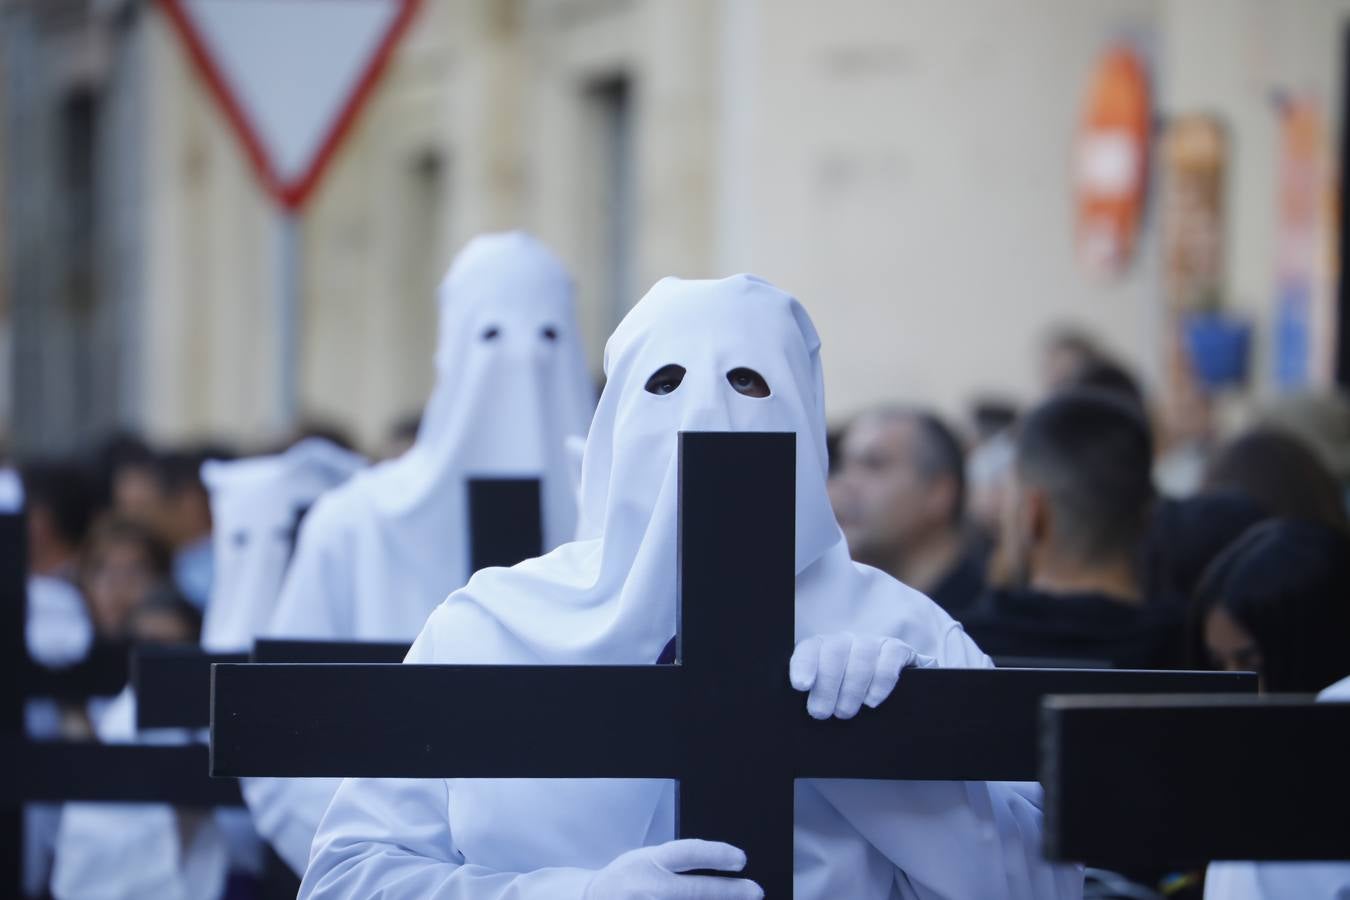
(900, 497)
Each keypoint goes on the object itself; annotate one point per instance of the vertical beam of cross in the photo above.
(737, 617)
(14, 601)
(505, 521)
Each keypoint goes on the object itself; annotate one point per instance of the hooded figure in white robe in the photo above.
(1277, 880)
(128, 851)
(378, 554)
(735, 354)
(257, 504)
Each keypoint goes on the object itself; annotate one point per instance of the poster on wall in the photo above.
(1305, 325)
(1110, 170)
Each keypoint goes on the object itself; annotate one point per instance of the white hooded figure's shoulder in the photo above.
(341, 509)
(484, 621)
(836, 594)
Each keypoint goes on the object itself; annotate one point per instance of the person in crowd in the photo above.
(1281, 473)
(1071, 531)
(59, 503)
(900, 497)
(1185, 536)
(1277, 602)
(1066, 352)
(123, 563)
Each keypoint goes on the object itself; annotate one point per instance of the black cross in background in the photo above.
(723, 722)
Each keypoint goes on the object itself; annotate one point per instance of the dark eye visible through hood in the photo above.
(665, 380)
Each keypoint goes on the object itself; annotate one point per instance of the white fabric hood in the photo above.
(511, 384)
(255, 508)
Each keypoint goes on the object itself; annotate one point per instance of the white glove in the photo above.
(844, 671)
(652, 873)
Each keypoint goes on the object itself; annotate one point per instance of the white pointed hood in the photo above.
(511, 384)
(256, 505)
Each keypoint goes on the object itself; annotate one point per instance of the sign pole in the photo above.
(287, 311)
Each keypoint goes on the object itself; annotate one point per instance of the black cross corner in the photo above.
(723, 722)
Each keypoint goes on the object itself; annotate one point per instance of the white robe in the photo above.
(609, 597)
(58, 633)
(376, 555)
(135, 851)
(1277, 880)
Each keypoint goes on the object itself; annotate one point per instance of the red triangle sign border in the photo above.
(293, 194)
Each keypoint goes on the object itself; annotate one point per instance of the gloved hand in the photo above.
(844, 671)
(653, 873)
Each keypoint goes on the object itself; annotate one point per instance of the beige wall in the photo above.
(902, 166)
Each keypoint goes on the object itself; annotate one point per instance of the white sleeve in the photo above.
(391, 838)
(287, 812)
(315, 603)
(135, 851)
(953, 840)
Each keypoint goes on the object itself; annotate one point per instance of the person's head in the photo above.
(1277, 601)
(121, 466)
(1081, 489)
(123, 562)
(60, 505)
(901, 480)
(181, 511)
(1185, 536)
(1279, 472)
(164, 617)
(1105, 375)
(1065, 353)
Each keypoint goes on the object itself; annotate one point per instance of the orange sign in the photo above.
(1111, 162)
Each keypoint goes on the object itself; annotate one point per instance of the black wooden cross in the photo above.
(59, 771)
(723, 721)
(1177, 781)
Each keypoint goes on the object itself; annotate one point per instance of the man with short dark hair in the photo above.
(1071, 531)
(900, 497)
(60, 506)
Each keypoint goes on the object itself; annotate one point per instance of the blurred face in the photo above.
(881, 496)
(116, 584)
(1230, 645)
(136, 496)
(1061, 365)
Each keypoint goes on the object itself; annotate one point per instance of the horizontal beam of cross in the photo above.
(173, 684)
(285, 650)
(59, 771)
(372, 721)
(1177, 780)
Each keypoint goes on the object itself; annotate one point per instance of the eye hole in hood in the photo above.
(748, 382)
(665, 380)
